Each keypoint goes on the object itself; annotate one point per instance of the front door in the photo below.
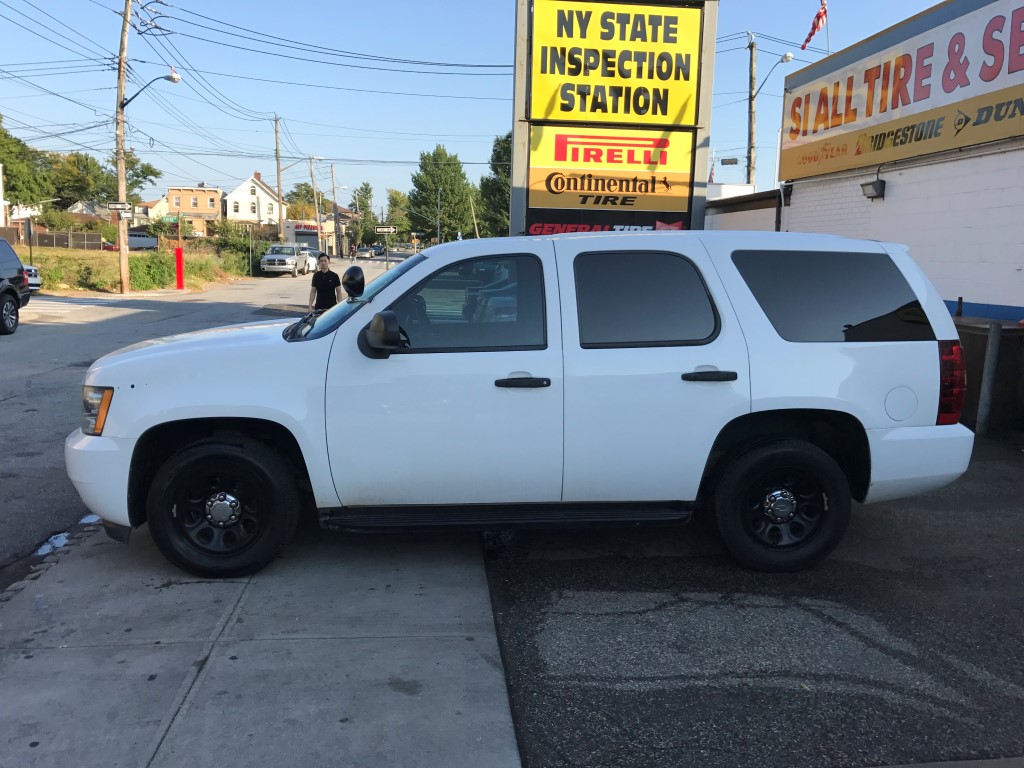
(655, 366)
(471, 411)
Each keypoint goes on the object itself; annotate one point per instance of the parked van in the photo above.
(138, 241)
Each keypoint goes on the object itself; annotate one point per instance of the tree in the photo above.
(442, 171)
(495, 189)
(363, 226)
(302, 196)
(78, 176)
(137, 174)
(27, 171)
(398, 205)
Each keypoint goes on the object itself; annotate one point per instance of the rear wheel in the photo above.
(9, 314)
(221, 509)
(783, 506)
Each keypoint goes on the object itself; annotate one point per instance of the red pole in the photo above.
(179, 267)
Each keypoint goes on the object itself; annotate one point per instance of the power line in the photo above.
(277, 40)
(339, 63)
(351, 90)
(92, 45)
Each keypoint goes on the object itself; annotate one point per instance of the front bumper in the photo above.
(98, 467)
(277, 268)
(909, 460)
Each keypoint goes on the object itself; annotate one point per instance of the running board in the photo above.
(489, 516)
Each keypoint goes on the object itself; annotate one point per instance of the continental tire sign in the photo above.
(613, 113)
(951, 77)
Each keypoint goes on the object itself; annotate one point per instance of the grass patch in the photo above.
(78, 269)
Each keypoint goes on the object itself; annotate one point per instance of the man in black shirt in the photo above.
(326, 290)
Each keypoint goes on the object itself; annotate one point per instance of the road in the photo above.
(45, 361)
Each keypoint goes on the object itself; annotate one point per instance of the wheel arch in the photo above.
(162, 441)
(839, 434)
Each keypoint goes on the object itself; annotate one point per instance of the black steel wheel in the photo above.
(220, 509)
(783, 506)
(9, 313)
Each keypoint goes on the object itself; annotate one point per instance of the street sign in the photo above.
(119, 206)
(389, 229)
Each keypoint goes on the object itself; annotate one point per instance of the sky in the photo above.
(337, 101)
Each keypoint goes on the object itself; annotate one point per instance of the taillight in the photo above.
(952, 382)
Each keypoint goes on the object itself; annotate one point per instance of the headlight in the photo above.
(96, 403)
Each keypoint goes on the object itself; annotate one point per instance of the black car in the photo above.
(14, 290)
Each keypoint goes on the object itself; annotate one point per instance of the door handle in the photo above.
(523, 382)
(710, 376)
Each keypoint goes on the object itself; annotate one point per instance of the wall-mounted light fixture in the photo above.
(873, 189)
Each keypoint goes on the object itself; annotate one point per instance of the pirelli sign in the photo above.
(613, 104)
(609, 169)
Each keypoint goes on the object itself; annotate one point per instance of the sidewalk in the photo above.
(347, 651)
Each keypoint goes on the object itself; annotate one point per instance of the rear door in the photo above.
(655, 366)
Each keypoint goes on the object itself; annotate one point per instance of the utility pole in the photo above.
(316, 206)
(280, 201)
(337, 230)
(122, 182)
(751, 109)
(439, 215)
(472, 209)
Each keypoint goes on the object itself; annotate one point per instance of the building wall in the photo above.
(758, 220)
(267, 210)
(962, 216)
(180, 199)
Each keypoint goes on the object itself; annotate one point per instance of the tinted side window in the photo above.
(638, 299)
(476, 305)
(823, 296)
(9, 261)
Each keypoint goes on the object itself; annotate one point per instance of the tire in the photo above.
(295, 271)
(9, 314)
(782, 507)
(222, 541)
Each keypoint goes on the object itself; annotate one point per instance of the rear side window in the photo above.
(642, 299)
(815, 296)
(9, 261)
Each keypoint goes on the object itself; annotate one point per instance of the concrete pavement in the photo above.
(347, 650)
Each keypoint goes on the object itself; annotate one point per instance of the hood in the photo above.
(214, 342)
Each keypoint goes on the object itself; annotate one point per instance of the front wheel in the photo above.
(783, 506)
(222, 509)
(8, 315)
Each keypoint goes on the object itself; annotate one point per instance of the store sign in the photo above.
(610, 169)
(615, 63)
(953, 79)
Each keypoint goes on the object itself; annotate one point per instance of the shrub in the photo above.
(201, 269)
(151, 270)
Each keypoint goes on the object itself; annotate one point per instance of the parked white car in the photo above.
(288, 258)
(765, 378)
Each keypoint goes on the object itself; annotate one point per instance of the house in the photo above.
(92, 210)
(198, 205)
(147, 212)
(254, 201)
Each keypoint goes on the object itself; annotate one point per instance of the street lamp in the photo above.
(751, 107)
(122, 181)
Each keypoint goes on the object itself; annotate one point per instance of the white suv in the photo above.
(766, 378)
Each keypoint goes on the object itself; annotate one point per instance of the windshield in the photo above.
(285, 249)
(330, 320)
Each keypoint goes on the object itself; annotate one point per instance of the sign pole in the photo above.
(520, 174)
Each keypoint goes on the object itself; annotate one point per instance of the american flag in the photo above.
(816, 24)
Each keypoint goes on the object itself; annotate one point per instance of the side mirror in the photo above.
(381, 335)
(353, 282)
